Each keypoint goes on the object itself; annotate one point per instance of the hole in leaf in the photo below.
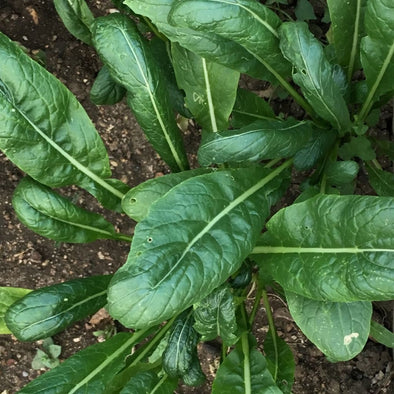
(132, 200)
(303, 71)
(149, 239)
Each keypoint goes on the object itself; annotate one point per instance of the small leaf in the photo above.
(381, 334)
(210, 88)
(263, 139)
(47, 213)
(341, 172)
(381, 181)
(359, 146)
(49, 310)
(339, 329)
(77, 17)
(87, 371)
(105, 91)
(304, 11)
(215, 316)
(9, 295)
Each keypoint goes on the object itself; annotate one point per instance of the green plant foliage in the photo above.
(49, 358)
(381, 334)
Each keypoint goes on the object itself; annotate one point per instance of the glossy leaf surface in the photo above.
(339, 329)
(341, 172)
(132, 65)
(87, 371)
(244, 370)
(9, 295)
(215, 316)
(47, 311)
(381, 181)
(317, 78)
(147, 382)
(138, 200)
(77, 17)
(263, 139)
(105, 91)
(193, 238)
(47, 213)
(333, 248)
(210, 88)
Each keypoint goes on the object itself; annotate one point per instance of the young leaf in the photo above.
(49, 310)
(339, 329)
(246, 22)
(47, 213)
(314, 74)
(248, 108)
(304, 11)
(381, 334)
(138, 200)
(105, 91)
(381, 181)
(347, 29)
(132, 65)
(193, 238)
(351, 236)
(87, 371)
(244, 370)
(9, 295)
(210, 88)
(44, 130)
(215, 316)
(359, 146)
(77, 17)
(263, 139)
(341, 172)
(377, 51)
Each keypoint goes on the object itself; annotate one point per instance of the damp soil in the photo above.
(30, 261)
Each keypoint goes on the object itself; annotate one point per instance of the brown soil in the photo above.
(28, 260)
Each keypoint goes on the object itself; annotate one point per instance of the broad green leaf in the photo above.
(333, 248)
(133, 66)
(192, 240)
(77, 17)
(147, 382)
(87, 371)
(381, 334)
(208, 45)
(244, 370)
(263, 139)
(210, 88)
(194, 376)
(181, 347)
(377, 51)
(381, 181)
(359, 146)
(47, 213)
(246, 22)
(341, 172)
(49, 310)
(304, 11)
(248, 108)
(9, 295)
(215, 316)
(317, 78)
(339, 329)
(45, 131)
(138, 200)
(347, 29)
(105, 91)
(280, 361)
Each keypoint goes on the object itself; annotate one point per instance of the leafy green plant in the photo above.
(198, 246)
(49, 357)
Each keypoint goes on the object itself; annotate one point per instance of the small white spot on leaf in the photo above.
(347, 340)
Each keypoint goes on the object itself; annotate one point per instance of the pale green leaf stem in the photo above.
(209, 96)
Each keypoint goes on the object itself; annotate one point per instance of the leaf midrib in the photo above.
(315, 250)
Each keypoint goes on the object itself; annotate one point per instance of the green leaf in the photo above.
(304, 11)
(341, 172)
(133, 66)
(215, 316)
(244, 370)
(263, 139)
(138, 200)
(210, 88)
(47, 213)
(192, 240)
(208, 45)
(317, 78)
(49, 310)
(377, 51)
(381, 181)
(147, 382)
(77, 17)
(87, 371)
(333, 248)
(44, 130)
(381, 334)
(248, 108)
(194, 376)
(339, 329)
(246, 22)
(359, 146)
(105, 91)
(346, 30)
(9, 295)
(280, 361)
